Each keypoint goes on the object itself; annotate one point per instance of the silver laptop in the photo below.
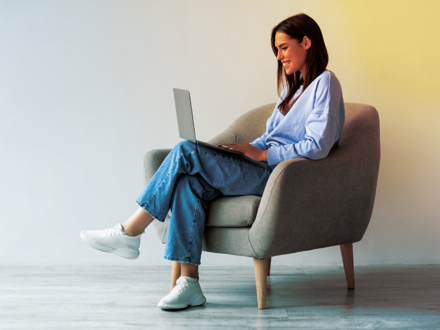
(185, 120)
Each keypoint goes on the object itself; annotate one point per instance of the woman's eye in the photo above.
(284, 48)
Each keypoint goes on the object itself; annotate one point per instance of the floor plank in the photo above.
(386, 297)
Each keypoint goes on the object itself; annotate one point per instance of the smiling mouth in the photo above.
(286, 63)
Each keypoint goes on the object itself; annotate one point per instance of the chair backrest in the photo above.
(360, 150)
(361, 135)
(247, 127)
(252, 124)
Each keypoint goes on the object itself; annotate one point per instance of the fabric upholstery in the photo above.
(307, 204)
(239, 211)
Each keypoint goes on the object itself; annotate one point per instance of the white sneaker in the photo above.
(184, 294)
(113, 240)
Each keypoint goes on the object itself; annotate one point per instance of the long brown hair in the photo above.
(297, 27)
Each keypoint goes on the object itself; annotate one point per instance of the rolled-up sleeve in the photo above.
(321, 132)
(260, 142)
(322, 126)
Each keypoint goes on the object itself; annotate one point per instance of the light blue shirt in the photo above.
(311, 128)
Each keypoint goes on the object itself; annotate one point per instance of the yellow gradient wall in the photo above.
(387, 54)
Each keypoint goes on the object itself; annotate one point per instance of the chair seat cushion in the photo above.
(237, 211)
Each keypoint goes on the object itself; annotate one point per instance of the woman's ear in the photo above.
(307, 43)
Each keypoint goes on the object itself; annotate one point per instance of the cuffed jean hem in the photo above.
(185, 260)
(145, 207)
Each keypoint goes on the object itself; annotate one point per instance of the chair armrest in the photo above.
(309, 204)
(152, 161)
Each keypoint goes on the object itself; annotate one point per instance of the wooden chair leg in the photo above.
(269, 262)
(347, 259)
(260, 267)
(175, 274)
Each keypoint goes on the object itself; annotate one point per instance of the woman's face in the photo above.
(291, 53)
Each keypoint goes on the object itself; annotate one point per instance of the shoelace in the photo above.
(114, 231)
(180, 285)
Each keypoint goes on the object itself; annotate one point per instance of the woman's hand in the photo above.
(248, 150)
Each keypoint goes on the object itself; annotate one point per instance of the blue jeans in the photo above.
(189, 178)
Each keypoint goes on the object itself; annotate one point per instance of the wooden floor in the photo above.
(398, 297)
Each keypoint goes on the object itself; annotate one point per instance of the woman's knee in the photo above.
(186, 146)
(191, 182)
(197, 186)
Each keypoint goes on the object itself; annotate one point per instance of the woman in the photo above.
(307, 122)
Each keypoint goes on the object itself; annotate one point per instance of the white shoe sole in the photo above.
(194, 302)
(124, 253)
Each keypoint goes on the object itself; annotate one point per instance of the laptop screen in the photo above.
(184, 113)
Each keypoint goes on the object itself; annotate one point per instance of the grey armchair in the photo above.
(306, 205)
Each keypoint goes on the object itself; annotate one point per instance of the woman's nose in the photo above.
(279, 56)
